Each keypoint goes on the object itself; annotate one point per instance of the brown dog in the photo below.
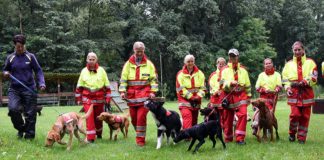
(267, 120)
(68, 123)
(115, 123)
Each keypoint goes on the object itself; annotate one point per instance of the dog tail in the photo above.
(88, 113)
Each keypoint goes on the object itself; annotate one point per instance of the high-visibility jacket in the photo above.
(323, 69)
(300, 70)
(214, 88)
(93, 86)
(237, 95)
(138, 81)
(190, 85)
(268, 82)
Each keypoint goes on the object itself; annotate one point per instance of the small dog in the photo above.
(200, 132)
(267, 120)
(68, 123)
(115, 123)
(167, 122)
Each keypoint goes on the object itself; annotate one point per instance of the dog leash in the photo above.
(21, 83)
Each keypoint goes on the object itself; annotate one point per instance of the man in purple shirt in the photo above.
(22, 65)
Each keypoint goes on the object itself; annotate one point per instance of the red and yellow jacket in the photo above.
(189, 86)
(93, 86)
(296, 71)
(240, 94)
(138, 81)
(215, 95)
(268, 85)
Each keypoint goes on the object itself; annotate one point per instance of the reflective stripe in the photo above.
(203, 88)
(285, 80)
(137, 83)
(138, 100)
(307, 101)
(303, 128)
(293, 128)
(238, 104)
(302, 134)
(122, 87)
(140, 128)
(290, 100)
(154, 86)
(91, 132)
(108, 95)
(184, 104)
(140, 134)
(179, 88)
(77, 95)
(11, 58)
(123, 81)
(240, 132)
(228, 136)
(93, 101)
(294, 123)
(193, 90)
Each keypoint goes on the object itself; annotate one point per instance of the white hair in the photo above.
(92, 54)
(138, 44)
(188, 57)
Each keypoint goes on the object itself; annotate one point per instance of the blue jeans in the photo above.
(23, 102)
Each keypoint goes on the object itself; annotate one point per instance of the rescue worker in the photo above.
(215, 93)
(93, 88)
(23, 99)
(234, 81)
(190, 87)
(268, 85)
(299, 75)
(138, 82)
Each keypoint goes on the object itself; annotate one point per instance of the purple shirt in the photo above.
(22, 67)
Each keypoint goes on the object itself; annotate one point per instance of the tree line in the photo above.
(62, 32)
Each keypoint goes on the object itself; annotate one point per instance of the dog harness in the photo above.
(118, 119)
(167, 113)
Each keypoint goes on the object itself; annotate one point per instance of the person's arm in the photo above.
(202, 89)
(123, 80)
(107, 87)
(7, 67)
(153, 79)
(38, 71)
(79, 88)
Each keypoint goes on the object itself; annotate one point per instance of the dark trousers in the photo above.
(22, 110)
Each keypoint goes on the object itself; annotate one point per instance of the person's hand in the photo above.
(122, 95)
(217, 93)
(303, 83)
(6, 74)
(234, 83)
(79, 103)
(152, 95)
(289, 92)
(277, 89)
(42, 88)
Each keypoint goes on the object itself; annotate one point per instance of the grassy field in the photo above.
(12, 148)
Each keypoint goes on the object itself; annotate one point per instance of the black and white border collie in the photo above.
(168, 122)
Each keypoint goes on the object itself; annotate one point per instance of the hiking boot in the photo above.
(99, 136)
(240, 143)
(301, 142)
(20, 134)
(292, 138)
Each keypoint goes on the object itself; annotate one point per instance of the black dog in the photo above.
(168, 122)
(209, 113)
(39, 110)
(200, 132)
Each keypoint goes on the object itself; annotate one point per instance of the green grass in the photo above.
(12, 148)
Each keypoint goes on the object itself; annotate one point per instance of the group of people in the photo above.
(229, 85)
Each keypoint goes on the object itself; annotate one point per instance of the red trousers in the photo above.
(138, 116)
(240, 132)
(189, 117)
(222, 117)
(299, 120)
(94, 126)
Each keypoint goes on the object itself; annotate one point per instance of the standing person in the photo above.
(268, 86)
(234, 80)
(138, 82)
(23, 99)
(215, 93)
(93, 88)
(190, 87)
(298, 76)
